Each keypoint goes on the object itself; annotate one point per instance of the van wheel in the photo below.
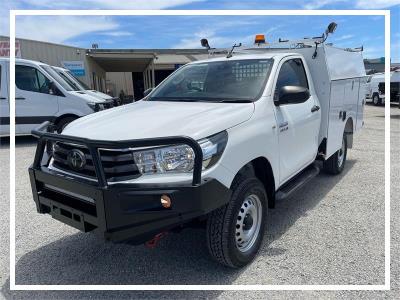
(236, 230)
(376, 100)
(61, 124)
(335, 164)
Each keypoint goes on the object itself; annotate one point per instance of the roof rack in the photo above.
(281, 44)
(289, 45)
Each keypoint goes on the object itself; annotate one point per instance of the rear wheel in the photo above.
(335, 164)
(235, 231)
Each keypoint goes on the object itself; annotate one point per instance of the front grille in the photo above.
(116, 101)
(108, 104)
(118, 165)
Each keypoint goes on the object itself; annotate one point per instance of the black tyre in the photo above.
(64, 122)
(236, 230)
(376, 100)
(335, 164)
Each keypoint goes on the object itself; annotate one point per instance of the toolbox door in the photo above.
(361, 104)
(335, 116)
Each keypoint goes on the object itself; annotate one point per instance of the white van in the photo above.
(42, 95)
(374, 94)
(81, 86)
(376, 87)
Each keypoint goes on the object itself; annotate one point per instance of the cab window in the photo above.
(30, 79)
(216, 81)
(291, 73)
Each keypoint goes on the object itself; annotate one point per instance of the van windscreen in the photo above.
(58, 78)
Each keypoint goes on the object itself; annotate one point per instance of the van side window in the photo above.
(30, 79)
(291, 73)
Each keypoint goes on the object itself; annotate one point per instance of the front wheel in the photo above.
(335, 164)
(376, 100)
(235, 231)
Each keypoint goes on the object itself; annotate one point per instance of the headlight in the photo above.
(213, 147)
(166, 159)
(180, 158)
(96, 106)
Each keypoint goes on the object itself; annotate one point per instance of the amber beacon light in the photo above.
(260, 39)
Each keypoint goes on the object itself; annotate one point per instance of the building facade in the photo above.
(116, 71)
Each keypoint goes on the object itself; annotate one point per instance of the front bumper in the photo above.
(123, 211)
(120, 211)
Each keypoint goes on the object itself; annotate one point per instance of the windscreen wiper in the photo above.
(235, 101)
(174, 99)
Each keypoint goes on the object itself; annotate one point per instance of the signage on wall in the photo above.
(177, 66)
(5, 48)
(77, 67)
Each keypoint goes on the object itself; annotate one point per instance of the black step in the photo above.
(297, 182)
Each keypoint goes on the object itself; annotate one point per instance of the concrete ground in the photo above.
(330, 232)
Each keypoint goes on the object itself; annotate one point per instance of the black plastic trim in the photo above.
(27, 120)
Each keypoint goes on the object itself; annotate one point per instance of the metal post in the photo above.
(145, 79)
(153, 76)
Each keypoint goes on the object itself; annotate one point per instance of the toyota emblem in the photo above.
(76, 159)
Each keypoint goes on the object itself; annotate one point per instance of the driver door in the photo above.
(298, 123)
(34, 101)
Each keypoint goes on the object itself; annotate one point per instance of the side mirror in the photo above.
(146, 92)
(331, 28)
(290, 94)
(53, 89)
(204, 43)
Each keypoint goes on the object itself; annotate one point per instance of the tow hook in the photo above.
(151, 244)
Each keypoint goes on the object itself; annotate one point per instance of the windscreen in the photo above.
(59, 79)
(67, 79)
(77, 80)
(218, 81)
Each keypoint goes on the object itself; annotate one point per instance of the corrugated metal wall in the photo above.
(117, 81)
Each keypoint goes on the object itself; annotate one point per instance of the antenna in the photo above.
(233, 47)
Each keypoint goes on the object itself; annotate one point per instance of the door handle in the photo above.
(283, 124)
(3, 98)
(342, 115)
(19, 98)
(315, 108)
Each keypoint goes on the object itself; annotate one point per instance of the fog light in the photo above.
(165, 201)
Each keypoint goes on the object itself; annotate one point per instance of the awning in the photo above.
(122, 62)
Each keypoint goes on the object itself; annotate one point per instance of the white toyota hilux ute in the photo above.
(217, 143)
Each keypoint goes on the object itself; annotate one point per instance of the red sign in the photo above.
(5, 48)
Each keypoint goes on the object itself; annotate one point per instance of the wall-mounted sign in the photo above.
(77, 67)
(177, 66)
(5, 48)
